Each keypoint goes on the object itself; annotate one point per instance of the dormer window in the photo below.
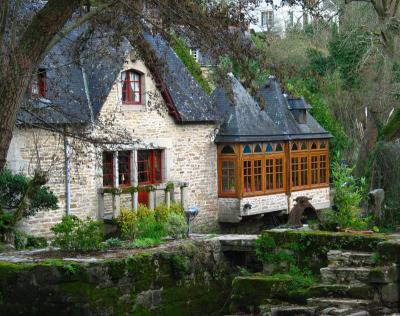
(39, 85)
(131, 87)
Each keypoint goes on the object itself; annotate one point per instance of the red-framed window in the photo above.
(108, 169)
(38, 86)
(131, 87)
(124, 168)
(149, 166)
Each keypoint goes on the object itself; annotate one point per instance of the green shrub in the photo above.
(75, 234)
(146, 223)
(22, 197)
(145, 243)
(113, 242)
(36, 242)
(127, 221)
(348, 196)
(176, 226)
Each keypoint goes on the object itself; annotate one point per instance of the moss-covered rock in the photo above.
(249, 292)
(310, 248)
(169, 282)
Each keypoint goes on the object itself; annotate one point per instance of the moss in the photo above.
(183, 53)
(251, 291)
(311, 247)
(9, 271)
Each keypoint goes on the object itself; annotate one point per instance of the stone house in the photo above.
(128, 124)
(278, 17)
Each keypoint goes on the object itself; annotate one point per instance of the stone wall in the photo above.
(263, 204)
(320, 197)
(192, 279)
(189, 156)
(231, 210)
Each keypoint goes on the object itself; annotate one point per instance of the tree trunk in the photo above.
(19, 63)
(368, 145)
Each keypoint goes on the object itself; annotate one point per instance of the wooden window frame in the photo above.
(129, 172)
(112, 169)
(152, 177)
(127, 91)
(310, 153)
(40, 82)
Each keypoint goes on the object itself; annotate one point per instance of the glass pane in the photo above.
(124, 167)
(269, 174)
(108, 169)
(279, 147)
(322, 169)
(304, 171)
(279, 173)
(143, 166)
(314, 146)
(294, 146)
(322, 145)
(227, 150)
(257, 175)
(258, 149)
(269, 148)
(314, 169)
(228, 176)
(295, 174)
(247, 176)
(247, 149)
(303, 146)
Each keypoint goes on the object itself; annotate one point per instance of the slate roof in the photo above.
(244, 120)
(68, 101)
(191, 102)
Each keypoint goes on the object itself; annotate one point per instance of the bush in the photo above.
(348, 196)
(145, 243)
(176, 226)
(22, 197)
(146, 223)
(127, 221)
(113, 243)
(75, 234)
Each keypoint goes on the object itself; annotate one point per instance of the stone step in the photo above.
(357, 290)
(344, 275)
(342, 303)
(293, 310)
(345, 258)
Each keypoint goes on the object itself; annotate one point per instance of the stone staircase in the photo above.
(351, 285)
(348, 286)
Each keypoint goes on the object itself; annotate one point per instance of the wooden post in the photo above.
(100, 214)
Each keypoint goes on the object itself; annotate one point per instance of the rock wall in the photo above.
(190, 280)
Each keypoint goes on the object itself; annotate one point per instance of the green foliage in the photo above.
(22, 197)
(113, 242)
(145, 242)
(348, 196)
(194, 68)
(75, 234)
(322, 113)
(146, 223)
(176, 226)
